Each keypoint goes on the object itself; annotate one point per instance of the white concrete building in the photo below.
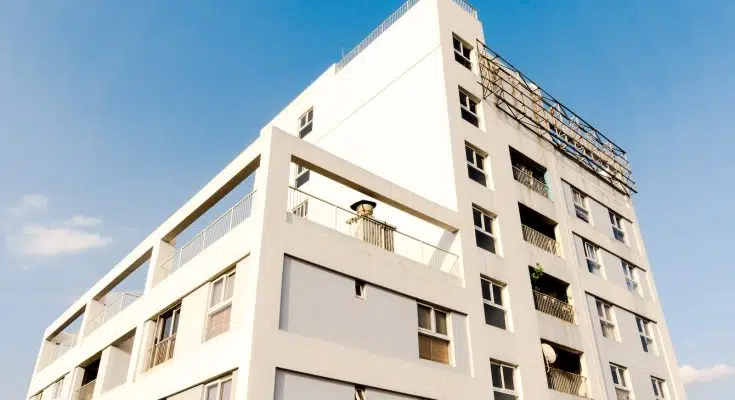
(503, 258)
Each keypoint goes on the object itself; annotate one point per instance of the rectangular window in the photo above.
(592, 253)
(484, 236)
(620, 380)
(645, 330)
(607, 320)
(218, 390)
(302, 176)
(631, 277)
(433, 334)
(468, 108)
(359, 289)
(659, 388)
(492, 298)
(164, 341)
(306, 122)
(360, 393)
(462, 52)
(475, 165)
(617, 226)
(580, 205)
(503, 377)
(220, 305)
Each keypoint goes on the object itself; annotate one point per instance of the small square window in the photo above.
(607, 320)
(468, 108)
(617, 226)
(592, 253)
(503, 378)
(631, 277)
(580, 205)
(360, 289)
(484, 236)
(475, 165)
(306, 123)
(645, 330)
(462, 52)
(492, 298)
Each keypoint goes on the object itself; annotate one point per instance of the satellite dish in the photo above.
(549, 353)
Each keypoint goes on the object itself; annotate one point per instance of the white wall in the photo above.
(295, 386)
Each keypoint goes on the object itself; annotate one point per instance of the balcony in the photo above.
(554, 307)
(112, 308)
(539, 230)
(161, 352)
(62, 343)
(368, 229)
(567, 382)
(213, 232)
(527, 179)
(529, 173)
(623, 394)
(85, 392)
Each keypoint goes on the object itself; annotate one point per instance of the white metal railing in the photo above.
(85, 392)
(61, 348)
(213, 232)
(540, 240)
(567, 382)
(553, 306)
(161, 351)
(530, 182)
(622, 394)
(375, 33)
(370, 230)
(112, 308)
(465, 5)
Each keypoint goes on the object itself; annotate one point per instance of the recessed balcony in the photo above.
(564, 369)
(113, 306)
(529, 173)
(550, 295)
(539, 230)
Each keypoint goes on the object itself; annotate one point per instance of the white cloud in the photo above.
(691, 374)
(45, 241)
(29, 203)
(82, 221)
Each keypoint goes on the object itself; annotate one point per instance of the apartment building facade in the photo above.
(422, 222)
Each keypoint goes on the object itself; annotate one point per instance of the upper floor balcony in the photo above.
(529, 173)
(550, 295)
(564, 369)
(361, 223)
(539, 230)
(113, 305)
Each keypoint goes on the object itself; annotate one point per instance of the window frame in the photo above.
(472, 102)
(360, 288)
(660, 391)
(646, 332)
(56, 389)
(492, 303)
(222, 303)
(581, 205)
(619, 373)
(484, 229)
(301, 176)
(161, 323)
(502, 365)
(360, 393)
(630, 272)
(477, 154)
(464, 60)
(432, 330)
(306, 123)
(609, 310)
(592, 255)
(218, 383)
(617, 226)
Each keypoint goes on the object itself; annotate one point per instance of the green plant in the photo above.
(536, 273)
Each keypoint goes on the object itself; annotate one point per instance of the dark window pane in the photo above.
(302, 179)
(469, 153)
(494, 316)
(644, 342)
(477, 175)
(441, 322)
(473, 106)
(305, 130)
(508, 378)
(497, 295)
(480, 163)
(495, 371)
(614, 375)
(457, 44)
(485, 241)
(424, 314)
(488, 223)
(485, 289)
(462, 98)
(504, 396)
(466, 63)
(477, 217)
(470, 117)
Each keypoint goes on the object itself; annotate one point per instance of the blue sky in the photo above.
(112, 114)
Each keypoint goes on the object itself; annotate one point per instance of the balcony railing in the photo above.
(567, 382)
(553, 306)
(529, 181)
(622, 394)
(161, 351)
(85, 392)
(213, 232)
(61, 348)
(541, 241)
(112, 308)
(370, 230)
(465, 5)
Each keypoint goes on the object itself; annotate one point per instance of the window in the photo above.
(302, 176)
(617, 225)
(503, 380)
(659, 388)
(56, 389)
(492, 298)
(360, 393)
(164, 341)
(359, 289)
(631, 277)
(645, 329)
(220, 305)
(484, 229)
(468, 108)
(219, 390)
(591, 252)
(306, 122)
(462, 52)
(607, 319)
(620, 380)
(580, 205)
(433, 334)
(475, 165)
